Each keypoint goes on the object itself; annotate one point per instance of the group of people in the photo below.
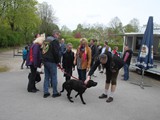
(52, 54)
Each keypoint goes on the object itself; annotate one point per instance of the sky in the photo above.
(73, 12)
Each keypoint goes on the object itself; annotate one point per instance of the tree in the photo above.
(115, 29)
(66, 31)
(133, 26)
(48, 19)
(19, 18)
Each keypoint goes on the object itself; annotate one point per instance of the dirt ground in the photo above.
(7, 59)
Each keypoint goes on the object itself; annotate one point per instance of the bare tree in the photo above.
(47, 16)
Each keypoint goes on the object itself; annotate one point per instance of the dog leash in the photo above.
(60, 67)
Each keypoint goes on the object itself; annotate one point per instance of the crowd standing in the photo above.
(52, 52)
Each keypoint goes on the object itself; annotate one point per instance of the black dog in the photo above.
(78, 86)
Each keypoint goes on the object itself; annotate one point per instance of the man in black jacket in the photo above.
(93, 50)
(112, 65)
(51, 59)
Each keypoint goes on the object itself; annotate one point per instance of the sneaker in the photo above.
(110, 99)
(46, 95)
(103, 96)
(56, 95)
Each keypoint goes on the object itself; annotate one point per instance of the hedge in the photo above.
(75, 42)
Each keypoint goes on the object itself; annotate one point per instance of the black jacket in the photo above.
(97, 63)
(94, 51)
(68, 58)
(50, 51)
(114, 63)
(129, 57)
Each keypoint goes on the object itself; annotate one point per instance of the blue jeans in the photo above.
(82, 74)
(50, 72)
(126, 71)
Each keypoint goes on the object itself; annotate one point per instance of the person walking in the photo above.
(51, 59)
(24, 56)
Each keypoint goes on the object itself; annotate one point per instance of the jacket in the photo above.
(34, 56)
(114, 63)
(85, 58)
(68, 60)
(50, 51)
(129, 57)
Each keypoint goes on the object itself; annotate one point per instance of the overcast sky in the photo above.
(73, 12)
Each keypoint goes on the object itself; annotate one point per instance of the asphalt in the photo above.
(130, 101)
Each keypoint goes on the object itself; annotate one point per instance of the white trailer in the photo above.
(133, 40)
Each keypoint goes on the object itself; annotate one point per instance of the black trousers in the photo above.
(31, 82)
(68, 73)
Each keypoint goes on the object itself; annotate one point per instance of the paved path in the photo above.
(130, 101)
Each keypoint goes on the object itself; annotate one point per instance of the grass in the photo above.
(3, 69)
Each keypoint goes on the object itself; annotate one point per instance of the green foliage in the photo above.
(10, 38)
(69, 39)
(120, 47)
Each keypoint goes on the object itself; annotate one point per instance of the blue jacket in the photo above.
(24, 54)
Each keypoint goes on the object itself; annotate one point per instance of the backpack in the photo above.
(117, 63)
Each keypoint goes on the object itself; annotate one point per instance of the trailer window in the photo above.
(138, 42)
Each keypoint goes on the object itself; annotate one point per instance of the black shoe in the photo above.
(110, 99)
(103, 96)
(33, 91)
(56, 95)
(37, 89)
(46, 95)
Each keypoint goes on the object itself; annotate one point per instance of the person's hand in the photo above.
(86, 81)
(74, 62)
(59, 66)
(73, 69)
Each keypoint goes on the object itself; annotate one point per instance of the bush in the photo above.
(120, 47)
(10, 38)
(75, 41)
